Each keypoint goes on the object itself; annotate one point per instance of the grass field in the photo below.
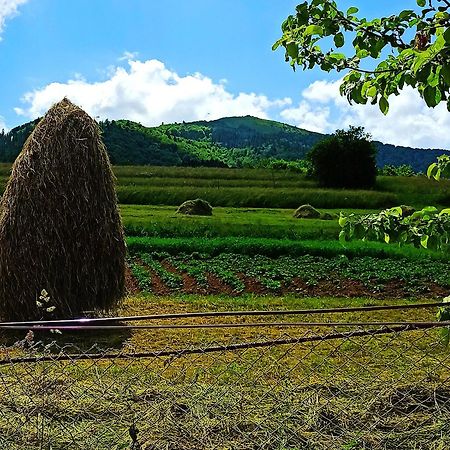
(163, 221)
(379, 392)
(262, 188)
(323, 388)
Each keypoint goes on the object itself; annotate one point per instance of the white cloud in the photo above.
(127, 56)
(8, 8)
(409, 121)
(149, 93)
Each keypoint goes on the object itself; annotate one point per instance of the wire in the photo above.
(87, 321)
(218, 348)
(225, 325)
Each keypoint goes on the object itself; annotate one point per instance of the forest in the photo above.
(228, 142)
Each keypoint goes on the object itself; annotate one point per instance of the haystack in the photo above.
(197, 207)
(306, 212)
(407, 210)
(60, 229)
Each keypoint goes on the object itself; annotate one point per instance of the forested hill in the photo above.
(232, 141)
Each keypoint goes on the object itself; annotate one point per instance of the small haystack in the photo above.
(197, 207)
(60, 228)
(407, 210)
(306, 212)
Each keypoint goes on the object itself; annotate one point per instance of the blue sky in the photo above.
(172, 60)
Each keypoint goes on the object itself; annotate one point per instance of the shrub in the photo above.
(60, 229)
(344, 160)
(405, 170)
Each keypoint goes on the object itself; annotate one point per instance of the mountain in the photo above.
(231, 141)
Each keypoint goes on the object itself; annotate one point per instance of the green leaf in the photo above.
(445, 72)
(384, 105)
(292, 49)
(430, 209)
(342, 220)
(405, 14)
(339, 40)
(432, 96)
(313, 29)
(342, 236)
(424, 241)
(386, 238)
(352, 10)
(396, 211)
(421, 3)
(446, 35)
(371, 92)
(430, 170)
(445, 211)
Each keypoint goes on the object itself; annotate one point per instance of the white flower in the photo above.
(39, 304)
(51, 308)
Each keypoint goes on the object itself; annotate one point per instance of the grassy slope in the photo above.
(262, 188)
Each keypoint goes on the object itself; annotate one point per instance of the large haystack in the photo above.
(60, 228)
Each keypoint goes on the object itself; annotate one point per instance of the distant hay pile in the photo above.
(60, 229)
(197, 207)
(306, 212)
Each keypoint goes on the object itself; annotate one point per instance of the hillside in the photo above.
(232, 141)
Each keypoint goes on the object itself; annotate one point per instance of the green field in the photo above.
(348, 392)
(262, 188)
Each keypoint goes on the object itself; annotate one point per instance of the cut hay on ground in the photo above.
(60, 228)
(197, 207)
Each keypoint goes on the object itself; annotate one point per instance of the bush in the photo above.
(345, 160)
(405, 170)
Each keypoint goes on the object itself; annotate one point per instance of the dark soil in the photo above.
(327, 287)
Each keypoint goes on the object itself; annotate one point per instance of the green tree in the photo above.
(411, 48)
(346, 159)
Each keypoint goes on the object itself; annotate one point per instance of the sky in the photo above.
(155, 61)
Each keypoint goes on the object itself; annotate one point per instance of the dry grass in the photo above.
(377, 392)
(60, 228)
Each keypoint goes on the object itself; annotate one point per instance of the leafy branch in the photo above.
(411, 48)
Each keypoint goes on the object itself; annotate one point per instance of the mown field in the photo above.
(385, 391)
(261, 188)
(350, 392)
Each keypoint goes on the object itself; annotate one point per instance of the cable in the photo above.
(86, 321)
(219, 348)
(226, 325)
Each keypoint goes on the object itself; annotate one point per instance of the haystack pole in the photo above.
(60, 228)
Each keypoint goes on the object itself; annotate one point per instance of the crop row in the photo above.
(235, 271)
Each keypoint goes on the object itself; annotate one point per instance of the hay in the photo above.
(407, 210)
(197, 207)
(60, 229)
(306, 212)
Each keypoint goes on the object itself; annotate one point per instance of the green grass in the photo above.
(276, 247)
(163, 221)
(262, 188)
(256, 197)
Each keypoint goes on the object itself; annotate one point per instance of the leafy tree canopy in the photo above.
(345, 160)
(411, 48)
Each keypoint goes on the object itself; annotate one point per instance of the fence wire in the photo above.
(335, 386)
